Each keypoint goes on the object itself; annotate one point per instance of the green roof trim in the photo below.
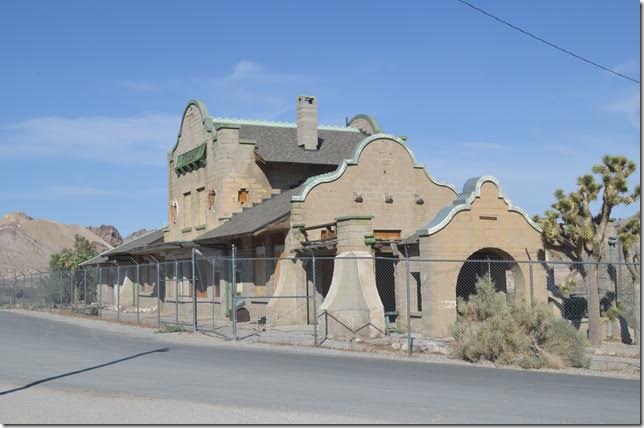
(277, 124)
(245, 141)
(205, 119)
(191, 160)
(226, 125)
(354, 217)
(200, 227)
(186, 229)
(369, 118)
(331, 176)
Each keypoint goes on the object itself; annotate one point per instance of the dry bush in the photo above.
(490, 328)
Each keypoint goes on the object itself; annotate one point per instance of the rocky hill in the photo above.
(26, 243)
(107, 233)
(136, 234)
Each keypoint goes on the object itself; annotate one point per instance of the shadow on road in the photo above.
(37, 382)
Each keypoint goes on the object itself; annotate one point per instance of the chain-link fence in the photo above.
(389, 301)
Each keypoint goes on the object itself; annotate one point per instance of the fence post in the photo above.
(62, 290)
(409, 338)
(531, 284)
(73, 277)
(118, 293)
(85, 287)
(138, 292)
(100, 292)
(13, 293)
(233, 286)
(315, 309)
(194, 294)
(51, 298)
(176, 291)
(158, 295)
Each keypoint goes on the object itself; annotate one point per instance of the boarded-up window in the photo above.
(200, 208)
(173, 212)
(386, 235)
(327, 234)
(242, 196)
(187, 210)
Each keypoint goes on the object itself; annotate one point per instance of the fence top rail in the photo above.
(241, 260)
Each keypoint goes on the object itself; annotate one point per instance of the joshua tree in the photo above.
(570, 227)
(629, 238)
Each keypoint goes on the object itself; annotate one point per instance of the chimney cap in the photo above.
(310, 99)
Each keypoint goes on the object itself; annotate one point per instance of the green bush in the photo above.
(490, 328)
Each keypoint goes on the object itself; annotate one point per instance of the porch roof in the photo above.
(254, 218)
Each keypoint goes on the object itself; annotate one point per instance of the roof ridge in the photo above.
(278, 123)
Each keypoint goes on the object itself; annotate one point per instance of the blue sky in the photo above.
(92, 92)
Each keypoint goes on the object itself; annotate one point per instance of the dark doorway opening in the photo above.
(386, 280)
(484, 263)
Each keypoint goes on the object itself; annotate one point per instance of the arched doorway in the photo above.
(496, 264)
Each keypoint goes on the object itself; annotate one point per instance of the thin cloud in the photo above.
(628, 106)
(249, 71)
(140, 139)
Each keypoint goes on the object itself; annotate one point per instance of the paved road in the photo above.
(112, 378)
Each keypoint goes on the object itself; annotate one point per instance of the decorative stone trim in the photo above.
(200, 227)
(186, 229)
(354, 217)
(471, 191)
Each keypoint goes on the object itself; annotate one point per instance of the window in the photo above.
(187, 209)
(173, 212)
(419, 298)
(327, 234)
(242, 196)
(200, 206)
(386, 235)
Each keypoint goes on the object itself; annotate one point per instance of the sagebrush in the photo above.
(490, 328)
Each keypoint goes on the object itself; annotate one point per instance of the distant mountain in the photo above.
(108, 233)
(27, 243)
(136, 234)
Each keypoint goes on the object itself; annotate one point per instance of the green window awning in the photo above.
(191, 160)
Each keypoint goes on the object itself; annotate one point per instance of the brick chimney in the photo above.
(307, 122)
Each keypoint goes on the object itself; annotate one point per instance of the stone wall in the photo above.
(385, 168)
(487, 225)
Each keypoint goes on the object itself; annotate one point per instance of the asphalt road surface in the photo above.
(61, 373)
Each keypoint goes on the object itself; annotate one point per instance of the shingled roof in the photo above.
(277, 141)
(141, 241)
(254, 218)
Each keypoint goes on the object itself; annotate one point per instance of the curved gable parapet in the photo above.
(375, 126)
(328, 177)
(471, 191)
(206, 120)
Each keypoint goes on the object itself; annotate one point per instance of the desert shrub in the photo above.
(490, 328)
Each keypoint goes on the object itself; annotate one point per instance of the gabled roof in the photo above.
(141, 241)
(279, 144)
(254, 218)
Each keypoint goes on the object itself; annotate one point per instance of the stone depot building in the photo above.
(354, 197)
